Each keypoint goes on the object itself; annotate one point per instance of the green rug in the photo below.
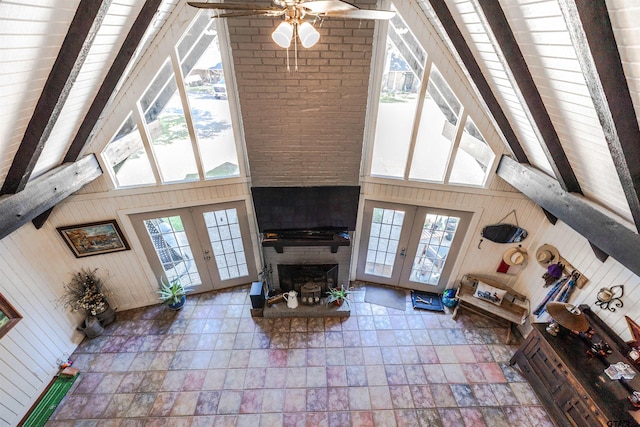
(49, 401)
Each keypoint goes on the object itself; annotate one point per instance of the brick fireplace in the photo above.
(306, 234)
(312, 262)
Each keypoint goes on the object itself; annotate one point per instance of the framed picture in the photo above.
(9, 316)
(94, 239)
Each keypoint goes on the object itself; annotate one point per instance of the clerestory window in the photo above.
(423, 133)
(181, 128)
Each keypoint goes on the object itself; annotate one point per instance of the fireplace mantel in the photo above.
(279, 240)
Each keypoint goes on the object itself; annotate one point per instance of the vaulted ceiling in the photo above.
(560, 79)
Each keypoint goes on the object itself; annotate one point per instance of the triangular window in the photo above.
(423, 134)
(181, 128)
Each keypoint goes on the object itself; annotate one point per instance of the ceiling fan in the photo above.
(296, 10)
(294, 13)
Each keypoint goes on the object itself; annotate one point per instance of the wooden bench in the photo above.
(514, 308)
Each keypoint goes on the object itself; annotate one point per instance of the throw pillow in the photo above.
(489, 293)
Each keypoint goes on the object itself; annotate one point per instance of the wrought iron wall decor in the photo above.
(608, 297)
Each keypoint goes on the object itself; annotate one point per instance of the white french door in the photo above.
(207, 247)
(410, 246)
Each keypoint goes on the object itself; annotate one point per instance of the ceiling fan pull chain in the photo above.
(288, 67)
(295, 46)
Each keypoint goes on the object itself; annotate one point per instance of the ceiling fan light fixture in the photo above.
(282, 34)
(309, 36)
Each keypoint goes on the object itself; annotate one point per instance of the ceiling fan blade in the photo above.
(325, 6)
(362, 14)
(232, 6)
(270, 13)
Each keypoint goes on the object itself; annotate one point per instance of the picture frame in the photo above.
(9, 316)
(94, 238)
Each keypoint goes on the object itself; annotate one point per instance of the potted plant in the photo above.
(338, 295)
(173, 293)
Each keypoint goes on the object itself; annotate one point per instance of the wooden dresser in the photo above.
(571, 383)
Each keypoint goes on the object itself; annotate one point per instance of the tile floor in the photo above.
(212, 364)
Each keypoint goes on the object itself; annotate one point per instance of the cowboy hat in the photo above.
(547, 254)
(514, 256)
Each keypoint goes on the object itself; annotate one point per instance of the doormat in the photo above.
(49, 401)
(385, 296)
(427, 301)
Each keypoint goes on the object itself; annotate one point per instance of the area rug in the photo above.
(427, 301)
(386, 296)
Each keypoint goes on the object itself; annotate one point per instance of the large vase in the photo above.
(91, 327)
(107, 316)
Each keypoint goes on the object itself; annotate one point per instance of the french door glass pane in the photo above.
(436, 133)
(127, 158)
(403, 70)
(473, 157)
(173, 250)
(436, 237)
(167, 127)
(386, 225)
(207, 95)
(226, 241)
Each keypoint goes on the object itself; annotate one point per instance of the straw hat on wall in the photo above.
(515, 256)
(547, 254)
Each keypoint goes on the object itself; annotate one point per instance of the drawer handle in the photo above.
(585, 397)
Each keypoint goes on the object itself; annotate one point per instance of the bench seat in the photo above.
(514, 308)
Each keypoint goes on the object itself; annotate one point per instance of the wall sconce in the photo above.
(609, 296)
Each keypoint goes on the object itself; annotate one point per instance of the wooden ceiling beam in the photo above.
(466, 56)
(496, 24)
(46, 191)
(109, 84)
(594, 41)
(609, 236)
(73, 52)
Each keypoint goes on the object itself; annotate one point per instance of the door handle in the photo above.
(403, 251)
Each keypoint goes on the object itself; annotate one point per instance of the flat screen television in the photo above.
(306, 208)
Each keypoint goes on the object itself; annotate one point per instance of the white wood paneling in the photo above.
(577, 251)
(30, 37)
(624, 20)
(557, 73)
(29, 275)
